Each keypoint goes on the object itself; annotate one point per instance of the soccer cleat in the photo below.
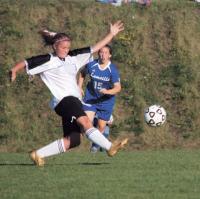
(116, 146)
(37, 159)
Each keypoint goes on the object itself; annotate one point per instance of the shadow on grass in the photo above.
(32, 164)
(93, 163)
(80, 163)
(16, 164)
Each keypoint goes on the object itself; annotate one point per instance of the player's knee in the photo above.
(85, 122)
(101, 128)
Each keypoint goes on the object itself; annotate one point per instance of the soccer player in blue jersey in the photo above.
(104, 84)
(58, 70)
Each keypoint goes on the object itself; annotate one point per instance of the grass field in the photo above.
(169, 174)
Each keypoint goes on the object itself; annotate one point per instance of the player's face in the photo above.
(104, 55)
(62, 48)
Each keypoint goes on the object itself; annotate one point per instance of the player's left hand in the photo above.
(116, 28)
(103, 91)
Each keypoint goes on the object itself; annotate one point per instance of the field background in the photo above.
(157, 55)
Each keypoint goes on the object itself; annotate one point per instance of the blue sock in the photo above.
(107, 131)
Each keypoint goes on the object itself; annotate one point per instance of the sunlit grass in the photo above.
(139, 174)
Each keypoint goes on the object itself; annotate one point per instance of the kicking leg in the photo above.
(95, 136)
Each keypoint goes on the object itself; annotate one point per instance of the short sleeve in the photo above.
(82, 56)
(38, 64)
(115, 74)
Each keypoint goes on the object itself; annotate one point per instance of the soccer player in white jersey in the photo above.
(58, 71)
(104, 84)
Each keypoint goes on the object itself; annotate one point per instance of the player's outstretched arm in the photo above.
(114, 30)
(13, 72)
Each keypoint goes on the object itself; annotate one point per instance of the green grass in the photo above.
(139, 174)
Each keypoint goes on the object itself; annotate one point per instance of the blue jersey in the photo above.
(100, 79)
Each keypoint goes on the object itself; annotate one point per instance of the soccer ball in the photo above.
(155, 115)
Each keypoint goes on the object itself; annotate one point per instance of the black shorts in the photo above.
(70, 109)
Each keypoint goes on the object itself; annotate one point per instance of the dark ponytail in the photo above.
(51, 38)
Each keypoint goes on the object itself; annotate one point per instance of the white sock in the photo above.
(95, 136)
(53, 148)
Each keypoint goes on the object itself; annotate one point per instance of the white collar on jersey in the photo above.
(107, 66)
(54, 55)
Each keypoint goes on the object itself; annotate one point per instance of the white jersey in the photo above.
(58, 74)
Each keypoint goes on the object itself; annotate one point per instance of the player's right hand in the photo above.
(12, 75)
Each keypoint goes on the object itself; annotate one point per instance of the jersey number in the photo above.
(98, 85)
